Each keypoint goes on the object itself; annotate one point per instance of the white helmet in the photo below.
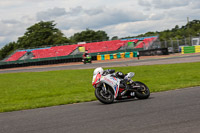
(98, 70)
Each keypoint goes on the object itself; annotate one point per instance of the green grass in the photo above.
(29, 90)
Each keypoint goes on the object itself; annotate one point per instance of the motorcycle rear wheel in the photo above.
(143, 92)
(104, 97)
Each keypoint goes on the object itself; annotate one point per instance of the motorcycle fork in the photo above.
(104, 88)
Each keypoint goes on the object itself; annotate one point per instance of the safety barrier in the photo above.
(190, 49)
(102, 57)
(117, 55)
(197, 49)
(107, 56)
(98, 57)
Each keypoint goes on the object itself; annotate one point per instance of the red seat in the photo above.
(104, 46)
(54, 51)
(16, 56)
(146, 42)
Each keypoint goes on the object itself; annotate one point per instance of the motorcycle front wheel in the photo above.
(143, 91)
(104, 97)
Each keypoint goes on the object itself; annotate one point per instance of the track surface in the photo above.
(175, 111)
(129, 62)
(165, 112)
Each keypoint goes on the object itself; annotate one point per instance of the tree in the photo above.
(7, 49)
(150, 33)
(188, 30)
(115, 38)
(89, 36)
(175, 28)
(42, 34)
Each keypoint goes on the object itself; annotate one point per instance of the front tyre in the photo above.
(143, 91)
(104, 97)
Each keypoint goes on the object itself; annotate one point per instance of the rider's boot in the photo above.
(124, 82)
(127, 87)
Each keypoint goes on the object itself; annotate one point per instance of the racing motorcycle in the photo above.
(109, 86)
(87, 59)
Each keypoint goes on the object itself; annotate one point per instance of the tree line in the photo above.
(191, 29)
(45, 34)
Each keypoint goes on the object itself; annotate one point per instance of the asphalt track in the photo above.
(121, 63)
(175, 111)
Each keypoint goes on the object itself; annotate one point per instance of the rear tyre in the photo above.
(104, 97)
(143, 92)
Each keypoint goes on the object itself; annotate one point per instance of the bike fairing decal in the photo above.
(96, 78)
(116, 90)
(115, 87)
(108, 80)
(114, 78)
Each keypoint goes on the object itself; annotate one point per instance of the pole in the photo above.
(177, 43)
(165, 44)
(159, 46)
(185, 42)
(172, 45)
(199, 38)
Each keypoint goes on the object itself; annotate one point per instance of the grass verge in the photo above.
(30, 90)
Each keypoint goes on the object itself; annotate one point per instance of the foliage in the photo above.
(190, 29)
(7, 49)
(115, 38)
(40, 34)
(41, 89)
(89, 36)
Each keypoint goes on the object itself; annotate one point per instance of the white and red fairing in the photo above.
(109, 80)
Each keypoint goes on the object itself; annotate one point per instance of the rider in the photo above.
(85, 54)
(117, 74)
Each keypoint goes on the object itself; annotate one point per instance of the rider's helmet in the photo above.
(120, 75)
(98, 70)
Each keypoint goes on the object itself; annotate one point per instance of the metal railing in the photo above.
(175, 45)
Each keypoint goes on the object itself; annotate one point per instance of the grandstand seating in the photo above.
(53, 51)
(16, 56)
(93, 47)
(105, 45)
(145, 42)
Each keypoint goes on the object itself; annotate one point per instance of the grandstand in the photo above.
(16, 56)
(94, 47)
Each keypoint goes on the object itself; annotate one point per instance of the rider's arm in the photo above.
(108, 71)
(111, 71)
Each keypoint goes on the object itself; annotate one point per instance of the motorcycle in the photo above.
(110, 87)
(87, 59)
